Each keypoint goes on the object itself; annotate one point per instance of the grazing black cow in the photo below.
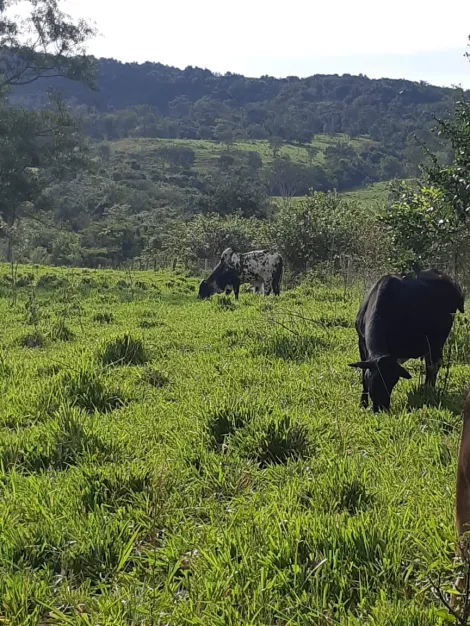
(401, 319)
(262, 269)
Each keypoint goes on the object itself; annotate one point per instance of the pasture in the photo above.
(207, 152)
(169, 461)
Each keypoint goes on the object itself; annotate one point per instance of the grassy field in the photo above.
(207, 152)
(170, 461)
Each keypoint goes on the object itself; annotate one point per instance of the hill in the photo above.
(193, 103)
(170, 144)
(341, 132)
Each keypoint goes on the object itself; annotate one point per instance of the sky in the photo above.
(414, 39)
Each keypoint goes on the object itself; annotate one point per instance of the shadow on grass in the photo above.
(424, 395)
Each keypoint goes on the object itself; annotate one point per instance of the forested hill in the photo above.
(155, 100)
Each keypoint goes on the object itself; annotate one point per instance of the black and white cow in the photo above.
(262, 269)
(401, 319)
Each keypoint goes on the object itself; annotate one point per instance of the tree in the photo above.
(48, 43)
(37, 146)
(318, 230)
(453, 180)
(232, 192)
(206, 236)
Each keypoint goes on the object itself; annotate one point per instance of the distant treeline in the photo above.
(155, 100)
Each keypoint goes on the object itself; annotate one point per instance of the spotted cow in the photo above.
(262, 269)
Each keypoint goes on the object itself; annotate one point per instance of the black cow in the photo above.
(401, 319)
(262, 269)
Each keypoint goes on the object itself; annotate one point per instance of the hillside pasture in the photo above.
(165, 460)
(207, 152)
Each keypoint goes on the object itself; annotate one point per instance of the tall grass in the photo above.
(225, 474)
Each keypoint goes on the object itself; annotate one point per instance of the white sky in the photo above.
(415, 39)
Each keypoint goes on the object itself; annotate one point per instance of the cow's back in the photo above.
(260, 265)
(401, 317)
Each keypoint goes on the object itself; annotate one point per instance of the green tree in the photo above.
(206, 236)
(37, 146)
(318, 230)
(453, 180)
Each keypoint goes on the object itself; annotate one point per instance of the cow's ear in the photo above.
(363, 365)
(403, 373)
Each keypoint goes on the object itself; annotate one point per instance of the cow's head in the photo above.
(380, 377)
(206, 289)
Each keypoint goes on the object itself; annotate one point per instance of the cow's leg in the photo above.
(433, 363)
(268, 287)
(365, 391)
(236, 288)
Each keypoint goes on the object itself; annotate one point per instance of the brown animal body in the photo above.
(462, 505)
(462, 508)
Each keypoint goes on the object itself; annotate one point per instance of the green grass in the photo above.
(207, 152)
(224, 472)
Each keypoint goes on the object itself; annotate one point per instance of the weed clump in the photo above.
(25, 280)
(155, 378)
(352, 496)
(458, 347)
(83, 388)
(124, 350)
(62, 443)
(292, 347)
(51, 281)
(104, 317)
(225, 303)
(227, 420)
(275, 439)
(59, 331)
(113, 486)
(35, 339)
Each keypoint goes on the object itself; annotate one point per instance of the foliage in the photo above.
(123, 350)
(453, 180)
(429, 226)
(37, 146)
(419, 228)
(207, 236)
(197, 104)
(318, 230)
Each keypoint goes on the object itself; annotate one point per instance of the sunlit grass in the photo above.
(165, 460)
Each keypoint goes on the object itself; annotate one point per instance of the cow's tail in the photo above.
(277, 278)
